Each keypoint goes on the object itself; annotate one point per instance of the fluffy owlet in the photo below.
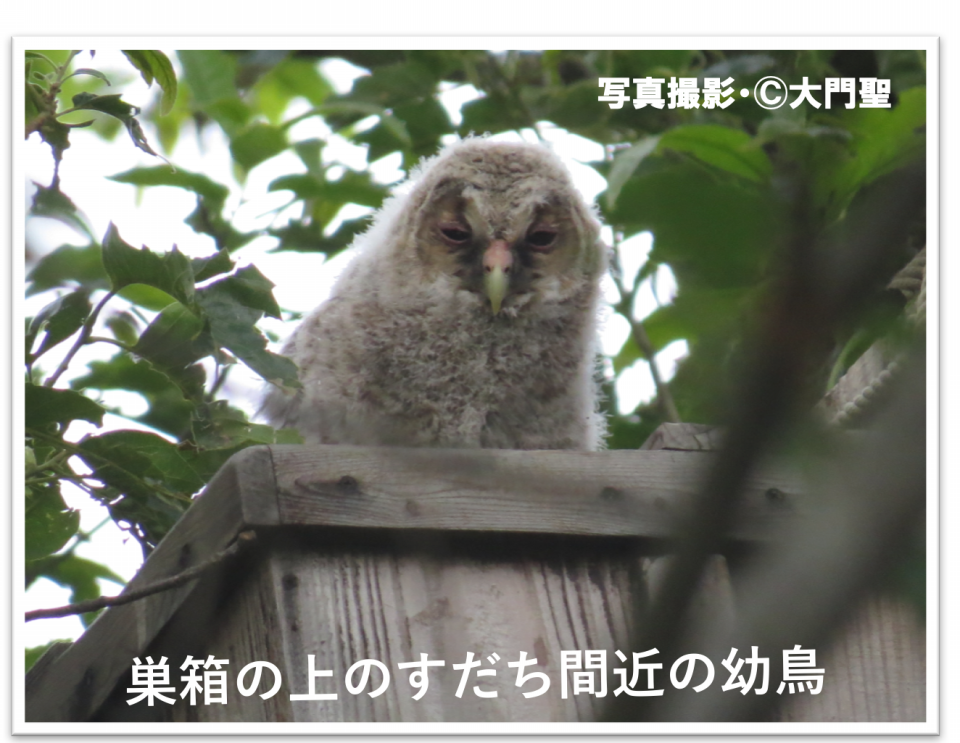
(468, 317)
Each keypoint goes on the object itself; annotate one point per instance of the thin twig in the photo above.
(243, 539)
(668, 408)
(85, 332)
(49, 464)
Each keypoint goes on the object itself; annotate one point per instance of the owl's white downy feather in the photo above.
(468, 317)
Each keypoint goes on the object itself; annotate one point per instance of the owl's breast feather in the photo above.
(474, 379)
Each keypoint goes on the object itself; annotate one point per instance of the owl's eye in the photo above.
(454, 233)
(541, 239)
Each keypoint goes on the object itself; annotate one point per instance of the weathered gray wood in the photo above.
(685, 437)
(551, 492)
(345, 604)
(879, 656)
(611, 493)
(408, 585)
(37, 674)
(875, 671)
(255, 475)
(80, 678)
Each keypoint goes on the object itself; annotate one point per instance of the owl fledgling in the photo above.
(468, 317)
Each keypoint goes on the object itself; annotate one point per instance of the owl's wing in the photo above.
(318, 409)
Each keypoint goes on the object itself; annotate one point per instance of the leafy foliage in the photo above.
(717, 187)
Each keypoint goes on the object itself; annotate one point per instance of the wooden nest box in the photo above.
(387, 554)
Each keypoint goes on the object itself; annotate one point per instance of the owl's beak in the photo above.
(497, 260)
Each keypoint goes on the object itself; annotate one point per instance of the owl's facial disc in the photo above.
(502, 246)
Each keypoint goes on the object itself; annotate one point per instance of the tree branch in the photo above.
(85, 332)
(668, 408)
(244, 539)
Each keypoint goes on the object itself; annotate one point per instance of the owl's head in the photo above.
(503, 223)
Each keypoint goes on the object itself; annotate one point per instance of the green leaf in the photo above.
(49, 523)
(38, 55)
(388, 136)
(88, 71)
(45, 405)
(33, 103)
(60, 319)
(309, 150)
(232, 325)
(352, 188)
(287, 80)
(209, 74)
(154, 65)
(147, 481)
(130, 460)
(124, 326)
(714, 232)
(139, 138)
(723, 147)
(57, 135)
(221, 431)
(628, 354)
(309, 237)
(72, 571)
(493, 113)
(146, 296)
(168, 410)
(696, 312)
(115, 106)
(54, 204)
(221, 426)
(573, 107)
(174, 341)
(625, 164)
(76, 573)
(170, 272)
(68, 265)
(340, 113)
(165, 175)
(652, 62)
(394, 85)
(252, 289)
(288, 436)
(150, 515)
(883, 140)
(232, 114)
(214, 265)
(905, 68)
(256, 143)
(426, 121)
(207, 218)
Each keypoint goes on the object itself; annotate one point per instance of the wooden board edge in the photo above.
(76, 682)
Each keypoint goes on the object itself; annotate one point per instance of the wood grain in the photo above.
(343, 604)
(612, 493)
(390, 553)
